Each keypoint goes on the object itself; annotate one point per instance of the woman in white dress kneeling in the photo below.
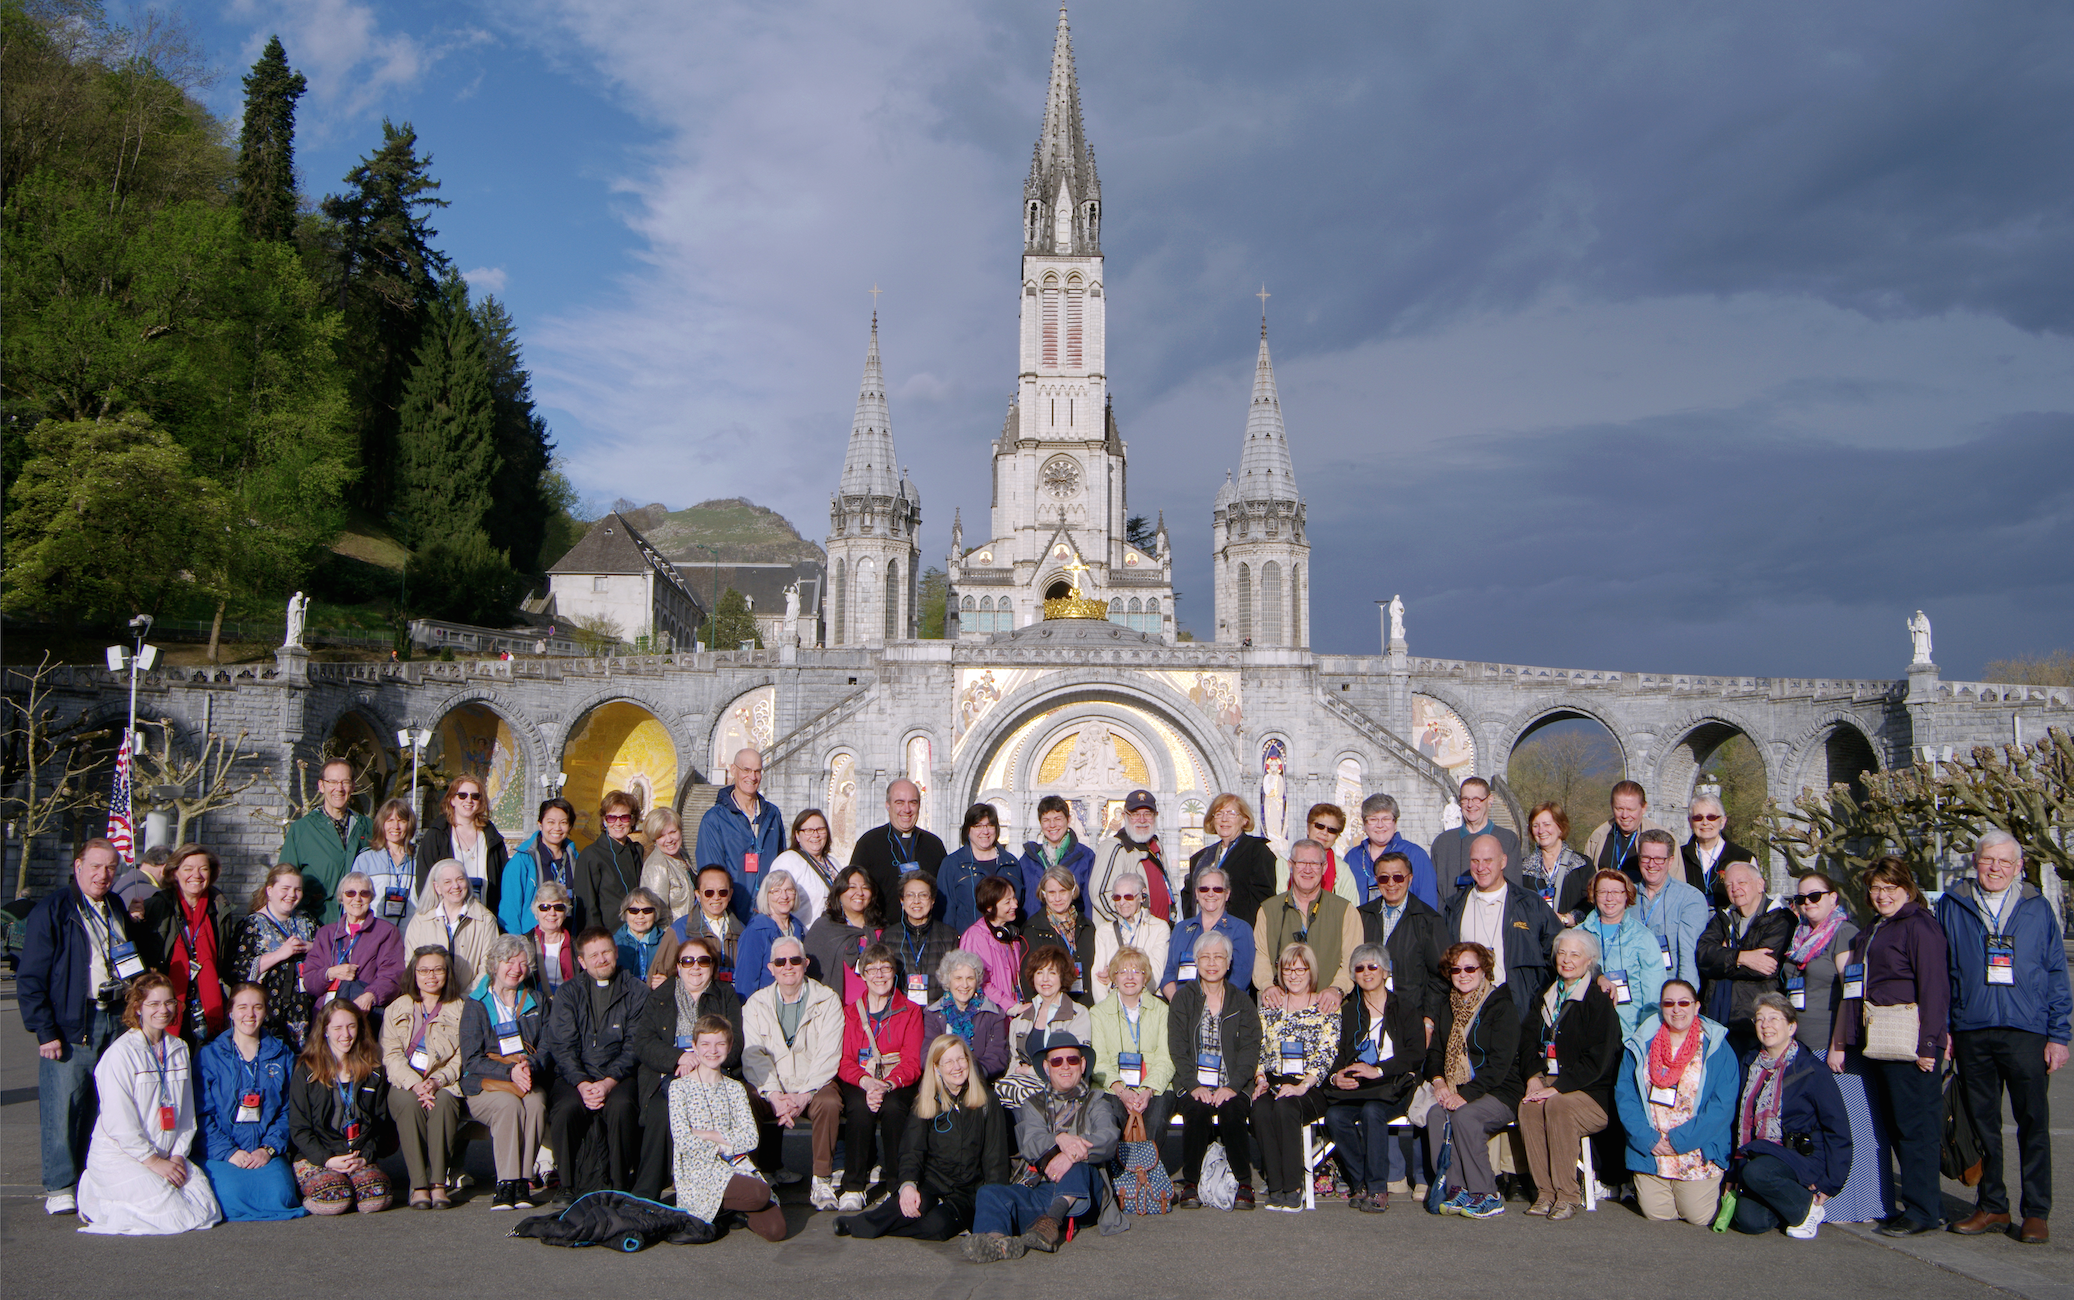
(713, 1132)
(138, 1179)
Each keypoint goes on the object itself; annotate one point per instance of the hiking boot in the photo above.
(1043, 1235)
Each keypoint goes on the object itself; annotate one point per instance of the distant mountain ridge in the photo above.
(742, 531)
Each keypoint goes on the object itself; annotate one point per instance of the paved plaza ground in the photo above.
(1329, 1252)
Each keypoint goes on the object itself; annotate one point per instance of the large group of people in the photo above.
(994, 1039)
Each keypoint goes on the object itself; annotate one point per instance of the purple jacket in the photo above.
(1906, 960)
(378, 952)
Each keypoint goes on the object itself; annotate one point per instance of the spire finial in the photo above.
(1263, 295)
(875, 291)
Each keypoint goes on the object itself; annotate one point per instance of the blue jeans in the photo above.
(1373, 1152)
(66, 1102)
(1010, 1210)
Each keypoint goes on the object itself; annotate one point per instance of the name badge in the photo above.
(917, 987)
(1664, 943)
(123, 957)
(1292, 1056)
(1663, 1096)
(421, 1061)
(1621, 995)
(750, 862)
(248, 1108)
(1077, 986)
(1208, 1067)
(509, 1041)
(1854, 980)
(168, 1118)
(2001, 961)
(1553, 1067)
(685, 1042)
(476, 885)
(1186, 971)
(1130, 1067)
(1797, 992)
(394, 901)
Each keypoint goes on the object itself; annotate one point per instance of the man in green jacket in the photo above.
(325, 841)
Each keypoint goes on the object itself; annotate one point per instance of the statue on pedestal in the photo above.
(298, 612)
(1919, 634)
(1396, 619)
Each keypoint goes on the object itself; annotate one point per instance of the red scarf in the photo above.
(1156, 897)
(197, 939)
(1665, 1069)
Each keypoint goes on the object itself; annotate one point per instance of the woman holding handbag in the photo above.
(1896, 995)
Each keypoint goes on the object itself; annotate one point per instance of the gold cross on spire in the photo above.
(875, 294)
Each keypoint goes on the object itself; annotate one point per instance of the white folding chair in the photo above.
(1316, 1151)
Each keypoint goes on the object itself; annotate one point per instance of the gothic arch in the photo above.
(1823, 749)
(1684, 746)
(1541, 712)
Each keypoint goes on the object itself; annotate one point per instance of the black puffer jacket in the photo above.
(1729, 989)
(952, 1155)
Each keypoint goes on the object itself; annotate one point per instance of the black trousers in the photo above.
(617, 1125)
(1278, 1123)
(940, 1220)
(1990, 1060)
(872, 1137)
(1771, 1196)
(1230, 1121)
(1914, 1101)
(653, 1171)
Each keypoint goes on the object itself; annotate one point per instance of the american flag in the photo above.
(121, 829)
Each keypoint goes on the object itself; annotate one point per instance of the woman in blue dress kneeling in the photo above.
(243, 1087)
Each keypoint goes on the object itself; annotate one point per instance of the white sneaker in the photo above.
(61, 1203)
(873, 1181)
(851, 1202)
(1805, 1229)
(821, 1195)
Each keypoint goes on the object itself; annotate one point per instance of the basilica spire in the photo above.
(1062, 200)
(1265, 471)
(869, 469)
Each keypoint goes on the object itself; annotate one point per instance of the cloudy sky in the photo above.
(1629, 334)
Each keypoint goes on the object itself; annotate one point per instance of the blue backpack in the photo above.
(1141, 1181)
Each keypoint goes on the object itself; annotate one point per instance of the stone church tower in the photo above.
(1059, 477)
(873, 519)
(1262, 559)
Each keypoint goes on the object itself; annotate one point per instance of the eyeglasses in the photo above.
(1679, 1005)
(550, 907)
(1655, 860)
(1123, 898)
(1366, 967)
(716, 893)
(1885, 889)
(335, 783)
(788, 961)
(1394, 878)
(640, 911)
(469, 795)
(695, 959)
(1465, 970)
(1211, 889)
(1704, 817)
(619, 817)
(356, 893)
(1294, 965)
(1805, 900)
(1061, 1062)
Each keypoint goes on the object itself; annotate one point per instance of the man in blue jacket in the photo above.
(742, 833)
(1379, 819)
(77, 958)
(2009, 1022)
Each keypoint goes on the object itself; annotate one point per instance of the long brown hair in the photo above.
(361, 1059)
(280, 869)
(482, 800)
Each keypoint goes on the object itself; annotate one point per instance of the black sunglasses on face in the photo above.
(550, 907)
(788, 961)
(1803, 900)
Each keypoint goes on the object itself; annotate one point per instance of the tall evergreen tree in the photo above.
(447, 429)
(266, 145)
(519, 504)
(388, 272)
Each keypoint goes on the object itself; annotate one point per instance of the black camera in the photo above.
(1799, 1143)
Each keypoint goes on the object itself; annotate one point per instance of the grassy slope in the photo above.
(742, 532)
(367, 539)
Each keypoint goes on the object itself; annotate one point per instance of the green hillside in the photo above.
(740, 530)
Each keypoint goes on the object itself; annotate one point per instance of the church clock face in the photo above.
(1061, 478)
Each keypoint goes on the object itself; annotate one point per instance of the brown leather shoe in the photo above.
(1977, 1223)
(2034, 1233)
(1043, 1235)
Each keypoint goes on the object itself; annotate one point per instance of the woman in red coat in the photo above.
(877, 1073)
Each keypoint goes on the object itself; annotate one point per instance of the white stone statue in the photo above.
(1396, 618)
(1919, 633)
(792, 603)
(1094, 763)
(298, 610)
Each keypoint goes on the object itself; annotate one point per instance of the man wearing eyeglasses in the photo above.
(1133, 851)
(792, 1042)
(1451, 850)
(1068, 1134)
(1709, 851)
(1308, 913)
(742, 832)
(1414, 934)
(1674, 911)
(324, 841)
(2010, 1018)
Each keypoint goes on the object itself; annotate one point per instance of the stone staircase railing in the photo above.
(819, 725)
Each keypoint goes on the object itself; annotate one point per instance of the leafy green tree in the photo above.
(461, 577)
(731, 624)
(266, 146)
(562, 522)
(106, 522)
(935, 590)
(447, 448)
(518, 489)
(387, 274)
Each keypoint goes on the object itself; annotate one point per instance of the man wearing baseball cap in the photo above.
(1134, 850)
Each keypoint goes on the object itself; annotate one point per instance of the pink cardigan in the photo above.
(1004, 963)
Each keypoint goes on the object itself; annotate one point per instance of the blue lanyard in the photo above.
(252, 1067)
(1623, 849)
(162, 1064)
(913, 955)
(893, 841)
(557, 867)
(286, 934)
(345, 954)
(1132, 1021)
(345, 1100)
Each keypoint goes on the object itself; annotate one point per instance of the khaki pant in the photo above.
(427, 1135)
(515, 1125)
(1554, 1133)
(1693, 1200)
(824, 1112)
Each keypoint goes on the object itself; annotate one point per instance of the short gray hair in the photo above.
(1584, 939)
(1378, 803)
(791, 939)
(643, 894)
(1129, 878)
(1713, 801)
(550, 891)
(1307, 843)
(1214, 939)
(503, 948)
(770, 882)
(1778, 1003)
(1368, 952)
(346, 879)
(958, 959)
(1994, 839)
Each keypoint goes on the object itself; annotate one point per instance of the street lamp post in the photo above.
(140, 657)
(415, 740)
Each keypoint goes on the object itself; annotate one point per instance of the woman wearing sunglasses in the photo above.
(1131, 927)
(1473, 1064)
(466, 835)
(358, 957)
(554, 945)
(611, 865)
(664, 1046)
(1677, 1101)
(1382, 1045)
(643, 923)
